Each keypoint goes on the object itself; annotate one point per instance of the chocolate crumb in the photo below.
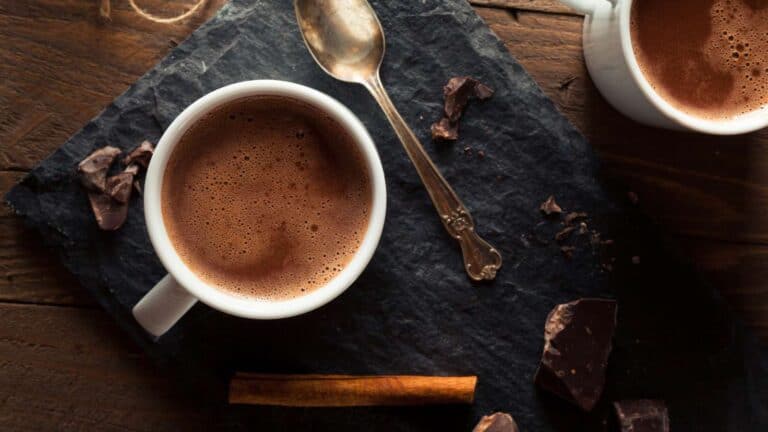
(140, 155)
(564, 233)
(481, 154)
(583, 228)
(635, 260)
(110, 214)
(574, 216)
(633, 198)
(643, 415)
(445, 130)
(93, 169)
(482, 91)
(550, 207)
(496, 422)
(567, 251)
(468, 150)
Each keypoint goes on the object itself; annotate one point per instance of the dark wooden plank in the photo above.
(550, 6)
(73, 369)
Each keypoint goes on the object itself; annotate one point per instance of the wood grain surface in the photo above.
(64, 365)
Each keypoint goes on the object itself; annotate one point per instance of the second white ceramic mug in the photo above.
(614, 69)
(177, 292)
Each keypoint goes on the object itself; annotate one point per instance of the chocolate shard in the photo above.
(445, 130)
(457, 93)
(642, 415)
(482, 91)
(564, 233)
(577, 341)
(140, 155)
(93, 169)
(571, 217)
(496, 422)
(119, 186)
(110, 214)
(550, 207)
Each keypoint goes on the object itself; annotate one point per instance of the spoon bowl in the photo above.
(344, 36)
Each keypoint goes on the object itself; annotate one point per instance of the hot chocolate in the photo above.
(708, 58)
(266, 197)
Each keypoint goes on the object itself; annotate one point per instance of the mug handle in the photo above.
(583, 6)
(163, 306)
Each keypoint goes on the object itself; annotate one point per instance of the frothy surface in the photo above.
(266, 197)
(708, 58)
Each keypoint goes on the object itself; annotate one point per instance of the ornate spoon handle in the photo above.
(481, 260)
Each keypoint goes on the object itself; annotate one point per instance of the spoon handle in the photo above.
(481, 260)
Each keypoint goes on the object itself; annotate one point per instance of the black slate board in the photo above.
(413, 310)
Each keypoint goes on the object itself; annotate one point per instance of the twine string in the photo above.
(105, 9)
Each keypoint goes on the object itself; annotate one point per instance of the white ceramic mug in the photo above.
(177, 292)
(614, 69)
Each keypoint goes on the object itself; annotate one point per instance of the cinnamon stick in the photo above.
(349, 390)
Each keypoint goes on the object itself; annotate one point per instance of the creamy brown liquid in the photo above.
(266, 197)
(708, 58)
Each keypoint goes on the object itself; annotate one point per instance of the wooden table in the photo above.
(64, 364)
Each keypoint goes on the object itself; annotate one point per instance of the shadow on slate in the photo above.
(414, 310)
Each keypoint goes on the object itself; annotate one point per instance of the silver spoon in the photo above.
(346, 39)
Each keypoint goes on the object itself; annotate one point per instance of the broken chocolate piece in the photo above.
(567, 251)
(110, 214)
(119, 186)
(496, 422)
(482, 91)
(577, 342)
(445, 130)
(574, 216)
(550, 207)
(564, 233)
(458, 92)
(93, 169)
(140, 155)
(643, 415)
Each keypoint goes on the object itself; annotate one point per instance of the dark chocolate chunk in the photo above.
(642, 415)
(110, 214)
(564, 233)
(140, 155)
(445, 130)
(574, 216)
(93, 169)
(567, 251)
(496, 422)
(550, 207)
(482, 91)
(457, 93)
(119, 186)
(577, 342)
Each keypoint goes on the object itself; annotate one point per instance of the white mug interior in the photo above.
(218, 298)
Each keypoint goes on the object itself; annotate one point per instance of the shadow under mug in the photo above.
(616, 73)
(177, 292)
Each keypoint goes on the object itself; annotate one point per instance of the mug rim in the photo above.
(216, 297)
(741, 124)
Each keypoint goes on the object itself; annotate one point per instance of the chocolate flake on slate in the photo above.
(445, 130)
(571, 217)
(496, 422)
(564, 233)
(458, 92)
(577, 342)
(583, 228)
(643, 415)
(140, 155)
(567, 251)
(633, 198)
(110, 214)
(550, 207)
(93, 169)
